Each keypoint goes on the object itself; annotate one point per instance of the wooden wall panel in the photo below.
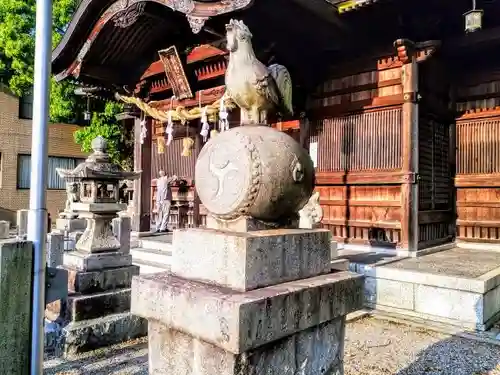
(362, 214)
(478, 179)
(359, 142)
(172, 161)
(478, 143)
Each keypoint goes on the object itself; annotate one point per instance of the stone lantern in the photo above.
(100, 271)
(98, 187)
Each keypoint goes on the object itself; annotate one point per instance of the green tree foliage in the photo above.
(105, 124)
(17, 49)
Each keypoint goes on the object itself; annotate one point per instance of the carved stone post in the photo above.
(409, 190)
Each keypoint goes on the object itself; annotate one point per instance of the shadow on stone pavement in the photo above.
(455, 356)
(126, 359)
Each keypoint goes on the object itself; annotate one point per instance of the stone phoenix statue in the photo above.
(251, 85)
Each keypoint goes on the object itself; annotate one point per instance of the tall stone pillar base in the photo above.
(97, 310)
(251, 303)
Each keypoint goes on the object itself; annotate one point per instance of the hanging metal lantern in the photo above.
(473, 19)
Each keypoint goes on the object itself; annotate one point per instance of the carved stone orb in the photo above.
(254, 171)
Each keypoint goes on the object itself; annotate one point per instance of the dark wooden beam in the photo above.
(325, 11)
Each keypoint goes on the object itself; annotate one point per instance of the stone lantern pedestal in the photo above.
(97, 311)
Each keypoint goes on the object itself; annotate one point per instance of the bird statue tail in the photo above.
(284, 82)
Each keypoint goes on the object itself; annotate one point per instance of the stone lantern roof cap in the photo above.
(98, 166)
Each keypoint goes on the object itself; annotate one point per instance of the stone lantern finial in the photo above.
(99, 144)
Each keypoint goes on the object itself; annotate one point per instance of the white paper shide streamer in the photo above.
(144, 130)
(223, 115)
(170, 129)
(205, 126)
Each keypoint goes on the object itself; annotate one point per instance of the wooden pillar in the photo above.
(409, 188)
(142, 187)
(305, 132)
(198, 144)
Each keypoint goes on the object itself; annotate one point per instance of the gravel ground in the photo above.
(373, 347)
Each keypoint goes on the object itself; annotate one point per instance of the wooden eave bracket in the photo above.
(407, 50)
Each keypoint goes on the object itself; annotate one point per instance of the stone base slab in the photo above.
(316, 351)
(453, 287)
(92, 306)
(246, 261)
(85, 261)
(238, 322)
(87, 335)
(100, 281)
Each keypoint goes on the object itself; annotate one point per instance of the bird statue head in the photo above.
(236, 32)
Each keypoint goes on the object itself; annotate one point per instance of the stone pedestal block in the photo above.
(70, 224)
(55, 249)
(122, 229)
(255, 303)
(22, 222)
(245, 261)
(16, 262)
(4, 229)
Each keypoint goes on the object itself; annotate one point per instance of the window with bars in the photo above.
(54, 181)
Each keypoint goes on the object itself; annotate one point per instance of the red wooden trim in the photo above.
(204, 52)
(477, 223)
(354, 203)
(379, 103)
(361, 178)
(154, 69)
(287, 125)
(477, 180)
(363, 223)
(352, 89)
(480, 113)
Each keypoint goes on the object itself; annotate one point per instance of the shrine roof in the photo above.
(111, 43)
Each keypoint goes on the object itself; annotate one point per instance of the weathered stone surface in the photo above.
(246, 261)
(122, 227)
(316, 351)
(93, 334)
(70, 225)
(254, 171)
(90, 306)
(70, 243)
(91, 262)
(237, 321)
(16, 259)
(4, 229)
(55, 249)
(100, 281)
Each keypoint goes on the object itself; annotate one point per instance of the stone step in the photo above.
(155, 245)
(147, 268)
(140, 254)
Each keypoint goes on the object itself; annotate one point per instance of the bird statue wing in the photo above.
(266, 85)
(283, 81)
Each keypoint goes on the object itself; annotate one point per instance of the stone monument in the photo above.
(96, 312)
(252, 293)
